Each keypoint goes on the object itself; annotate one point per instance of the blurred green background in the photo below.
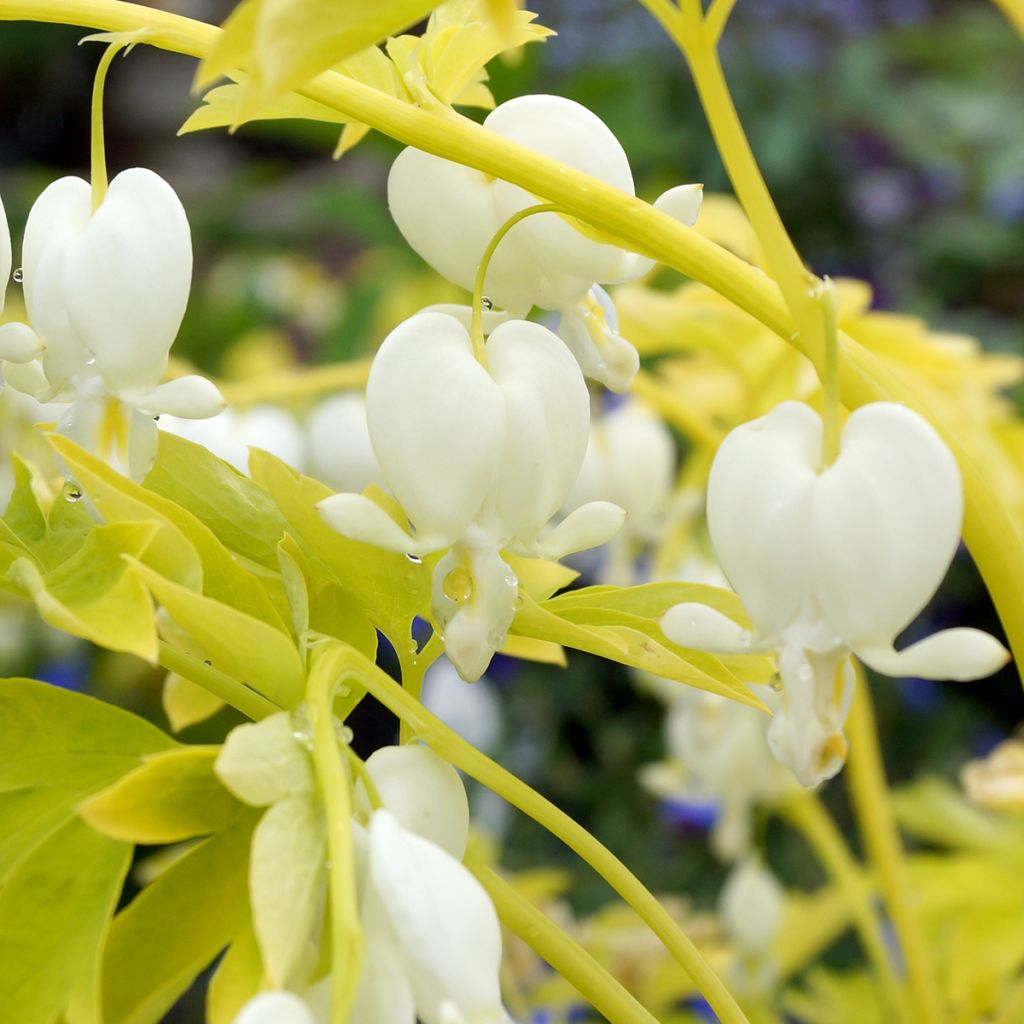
(891, 133)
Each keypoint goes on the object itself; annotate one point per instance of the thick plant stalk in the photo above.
(870, 793)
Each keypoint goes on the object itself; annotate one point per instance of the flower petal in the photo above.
(759, 512)
(57, 218)
(127, 278)
(18, 342)
(590, 329)
(279, 1007)
(191, 397)
(437, 421)
(887, 517)
(588, 526)
(357, 517)
(424, 793)
(443, 920)
(340, 452)
(546, 425)
(262, 762)
(702, 628)
(961, 654)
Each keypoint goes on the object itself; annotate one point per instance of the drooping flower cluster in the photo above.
(833, 560)
(105, 291)
(480, 458)
(543, 261)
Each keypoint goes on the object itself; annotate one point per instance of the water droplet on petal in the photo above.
(71, 491)
(458, 585)
(511, 580)
(90, 359)
(207, 663)
(776, 685)
(415, 559)
(486, 302)
(18, 275)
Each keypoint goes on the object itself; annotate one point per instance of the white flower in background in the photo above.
(717, 754)
(449, 213)
(833, 560)
(480, 459)
(473, 710)
(631, 462)
(752, 904)
(105, 292)
(340, 451)
(278, 1007)
(232, 432)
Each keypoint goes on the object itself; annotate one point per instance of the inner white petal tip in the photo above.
(960, 654)
(702, 628)
(588, 526)
(358, 518)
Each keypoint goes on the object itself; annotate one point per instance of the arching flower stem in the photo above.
(414, 665)
(826, 295)
(565, 955)
(476, 330)
(98, 148)
(468, 759)
(865, 776)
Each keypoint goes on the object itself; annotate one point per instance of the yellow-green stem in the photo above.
(806, 813)
(865, 776)
(468, 759)
(476, 331)
(230, 690)
(566, 956)
(717, 16)
(830, 402)
(414, 665)
(330, 669)
(99, 156)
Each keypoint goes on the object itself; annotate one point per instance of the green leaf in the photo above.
(55, 909)
(171, 796)
(57, 747)
(239, 976)
(619, 641)
(651, 600)
(24, 518)
(287, 880)
(175, 927)
(185, 550)
(241, 515)
(256, 654)
(186, 703)
(388, 588)
(95, 594)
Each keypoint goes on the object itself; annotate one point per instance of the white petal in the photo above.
(28, 378)
(681, 203)
(961, 654)
(752, 905)
(383, 995)
(443, 920)
(473, 602)
(5, 254)
(702, 628)
(278, 1007)
(358, 518)
(340, 452)
(546, 424)
(18, 342)
(759, 512)
(57, 218)
(490, 318)
(424, 793)
(568, 132)
(127, 279)
(588, 526)
(590, 328)
(887, 518)
(143, 438)
(428, 195)
(436, 421)
(190, 397)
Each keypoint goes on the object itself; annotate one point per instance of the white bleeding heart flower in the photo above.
(480, 458)
(232, 432)
(278, 1006)
(542, 261)
(752, 905)
(105, 292)
(340, 450)
(830, 560)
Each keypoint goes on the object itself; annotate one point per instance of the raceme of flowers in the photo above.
(105, 291)
(833, 560)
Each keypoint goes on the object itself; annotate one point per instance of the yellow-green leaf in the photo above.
(95, 594)
(175, 927)
(239, 976)
(185, 703)
(55, 909)
(258, 655)
(287, 877)
(171, 796)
